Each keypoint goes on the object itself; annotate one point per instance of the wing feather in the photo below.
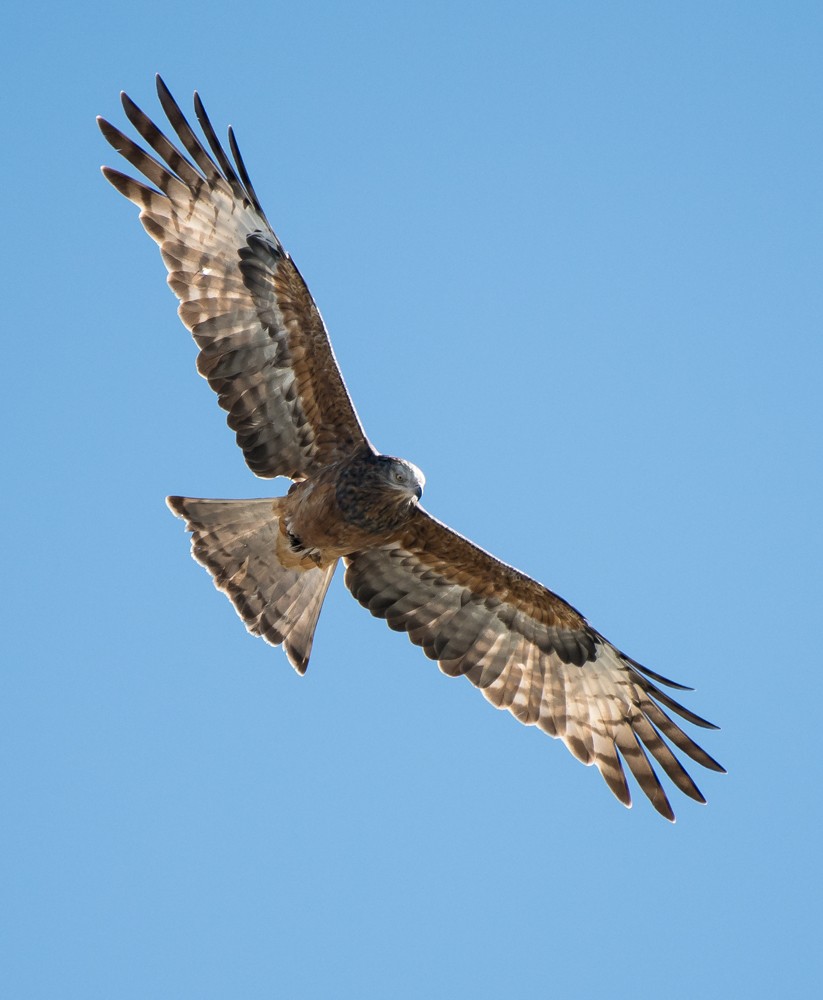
(263, 345)
(529, 652)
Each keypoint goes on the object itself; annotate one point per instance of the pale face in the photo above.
(405, 476)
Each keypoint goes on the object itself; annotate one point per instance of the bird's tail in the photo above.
(238, 542)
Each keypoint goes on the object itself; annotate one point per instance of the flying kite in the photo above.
(265, 351)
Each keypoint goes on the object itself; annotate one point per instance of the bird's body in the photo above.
(356, 503)
(265, 351)
(347, 506)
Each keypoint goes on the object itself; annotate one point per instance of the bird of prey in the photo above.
(265, 351)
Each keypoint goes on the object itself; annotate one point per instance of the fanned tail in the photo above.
(237, 542)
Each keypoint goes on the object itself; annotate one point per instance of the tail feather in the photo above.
(237, 542)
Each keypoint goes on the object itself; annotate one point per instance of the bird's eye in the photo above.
(399, 477)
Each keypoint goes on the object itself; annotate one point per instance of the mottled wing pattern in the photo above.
(529, 652)
(263, 345)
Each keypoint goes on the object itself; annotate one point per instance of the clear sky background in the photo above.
(570, 258)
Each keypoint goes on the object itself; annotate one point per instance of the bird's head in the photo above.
(378, 492)
(402, 476)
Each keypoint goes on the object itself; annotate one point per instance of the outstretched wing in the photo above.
(263, 345)
(530, 652)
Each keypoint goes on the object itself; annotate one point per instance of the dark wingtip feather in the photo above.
(129, 106)
(167, 100)
(713, 765)
(661, 804)
(160, 84)
(126, 185)
(657, 677)
(214, 143)
(681, 710)
(665, 810)
(111, 133)
(244, 174)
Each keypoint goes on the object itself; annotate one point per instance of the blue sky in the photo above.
(570, 258)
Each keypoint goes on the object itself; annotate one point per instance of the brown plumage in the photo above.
(265, 351)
